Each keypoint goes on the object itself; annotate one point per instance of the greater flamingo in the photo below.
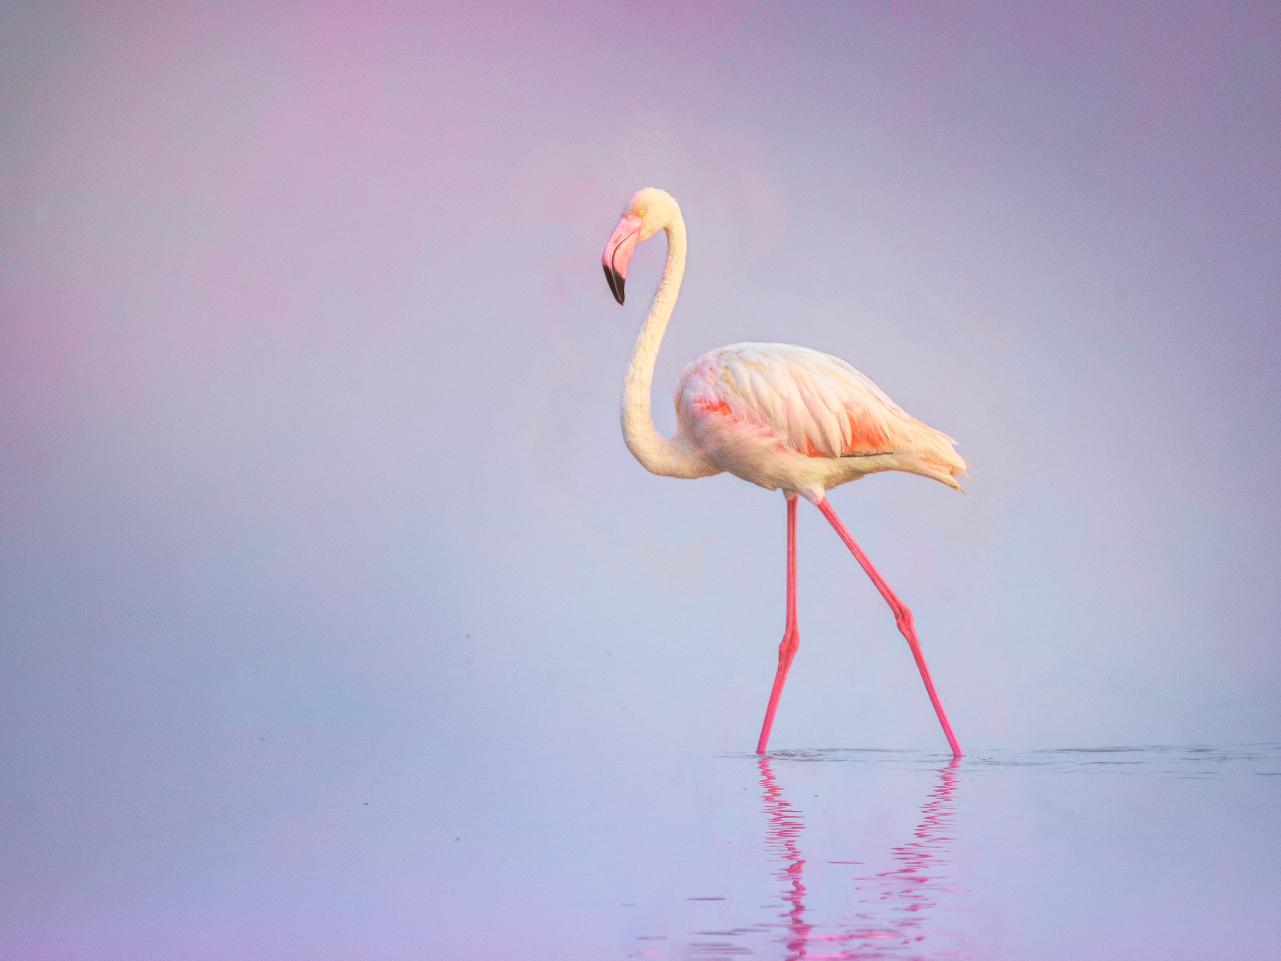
(783, 417)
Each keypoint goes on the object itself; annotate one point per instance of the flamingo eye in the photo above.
(640, 211)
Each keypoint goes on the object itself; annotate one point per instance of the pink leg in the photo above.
(791, 638)
(902, 617)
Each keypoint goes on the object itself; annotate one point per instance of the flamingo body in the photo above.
(789, 417)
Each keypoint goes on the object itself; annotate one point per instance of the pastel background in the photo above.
(311, 482)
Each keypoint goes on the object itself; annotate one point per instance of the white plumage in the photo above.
(779, 415)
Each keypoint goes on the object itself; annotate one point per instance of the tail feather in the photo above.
(939, 460)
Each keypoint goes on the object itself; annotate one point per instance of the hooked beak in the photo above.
(618, 254)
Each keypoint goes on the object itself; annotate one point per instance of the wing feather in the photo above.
(816, 404)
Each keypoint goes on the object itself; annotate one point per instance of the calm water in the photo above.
(1126, 853)
(1076, 853)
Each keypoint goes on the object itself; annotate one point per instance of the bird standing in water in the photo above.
(784, 417)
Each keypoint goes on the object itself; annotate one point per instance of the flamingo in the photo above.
(780, 416)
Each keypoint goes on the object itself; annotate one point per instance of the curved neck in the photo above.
(656, 453)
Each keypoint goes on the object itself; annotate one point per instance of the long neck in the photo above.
(656, 453)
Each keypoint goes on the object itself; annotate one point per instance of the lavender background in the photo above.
(312, 486)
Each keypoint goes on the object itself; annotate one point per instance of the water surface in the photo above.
(1126, 852)
(1098, 853)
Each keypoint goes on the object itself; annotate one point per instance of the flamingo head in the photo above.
(649, 211)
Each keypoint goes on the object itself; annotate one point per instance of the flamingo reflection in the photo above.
(785, 827)
(896, 927)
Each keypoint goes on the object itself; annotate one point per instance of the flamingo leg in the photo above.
(791, 637)
(902, 617)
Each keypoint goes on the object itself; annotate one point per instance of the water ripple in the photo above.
(903, 901)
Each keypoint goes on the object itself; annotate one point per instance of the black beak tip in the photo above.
(615, 284)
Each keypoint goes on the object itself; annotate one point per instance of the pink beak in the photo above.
(618, 253)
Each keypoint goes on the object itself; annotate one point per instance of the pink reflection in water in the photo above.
(785, 827)
(901, 898)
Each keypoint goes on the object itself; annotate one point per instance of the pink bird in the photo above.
(784, 417)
